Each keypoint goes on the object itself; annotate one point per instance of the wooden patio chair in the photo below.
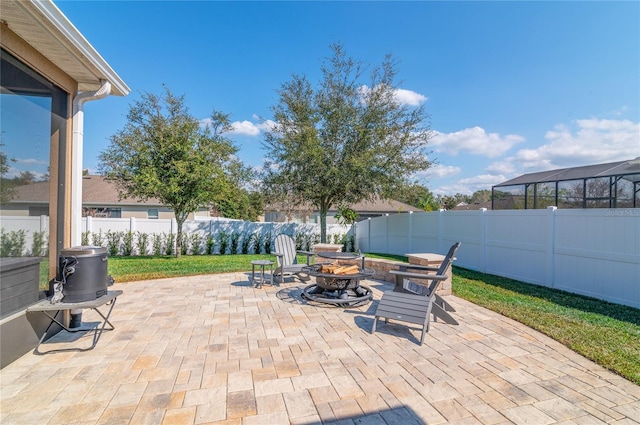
(286, 259)
(413, 302)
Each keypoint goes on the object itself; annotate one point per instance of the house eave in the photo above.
(42, 25)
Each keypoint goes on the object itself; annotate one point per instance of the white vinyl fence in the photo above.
(593, 252)
(203, 227)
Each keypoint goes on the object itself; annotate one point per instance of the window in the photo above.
(38, 211)
(33, 112)
(102, 212)
(152, 213)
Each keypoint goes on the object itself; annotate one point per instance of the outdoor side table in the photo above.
(261, 279)
(45, 307)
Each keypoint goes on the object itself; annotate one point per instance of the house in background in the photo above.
(609, 185)
(365, 209)
(99, 199)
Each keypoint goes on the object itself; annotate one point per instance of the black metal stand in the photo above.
(45, 307)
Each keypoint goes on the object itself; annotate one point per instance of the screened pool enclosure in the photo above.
(611, 185)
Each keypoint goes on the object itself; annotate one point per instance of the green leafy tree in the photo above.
(418, 196)
(342, 141)
(164, 152)
(6, 188)
(448, 202)
(481, 196)
(346, 215)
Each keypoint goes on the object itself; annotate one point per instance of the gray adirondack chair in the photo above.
(412, 302)
(286, 262)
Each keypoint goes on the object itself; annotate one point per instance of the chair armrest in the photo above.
(404, 267)
(277, 254)
(308, 254)
(420, 275)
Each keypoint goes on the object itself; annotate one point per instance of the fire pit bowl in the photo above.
(338, 289)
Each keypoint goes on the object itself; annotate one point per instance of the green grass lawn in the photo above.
(127, 269)
(608, 334)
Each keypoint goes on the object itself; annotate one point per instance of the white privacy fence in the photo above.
(593, 252)
(204, 227)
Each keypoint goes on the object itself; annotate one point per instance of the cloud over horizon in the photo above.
(474, 140)
(584, 142)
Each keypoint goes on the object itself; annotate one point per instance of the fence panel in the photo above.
(595, 252)
(398, 226)
(598, 251)
(424, 236)
(378, 235)
(465, 227)
(362, 235)
(30, 225)
(517, 243)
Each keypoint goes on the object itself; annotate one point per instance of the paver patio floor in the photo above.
(215, 349)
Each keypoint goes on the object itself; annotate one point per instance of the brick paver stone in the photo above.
(215, 350)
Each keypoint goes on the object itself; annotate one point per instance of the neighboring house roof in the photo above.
(621, 168)
(389, 206)
(96, 191)
(381, 206)
(42, 25)
(474, 206)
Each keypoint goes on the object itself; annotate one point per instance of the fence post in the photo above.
(550, 248)
(369, 234)
(132, 224)
(483, 238)
(89, 225)
(386, 225)
(440, 228)
(410, 236)
(43, 222)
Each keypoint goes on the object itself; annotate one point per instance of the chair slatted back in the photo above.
(446, 263)
(284, 244)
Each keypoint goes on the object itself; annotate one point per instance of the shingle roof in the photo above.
(382, 206)
(619, 168)
(96, 190)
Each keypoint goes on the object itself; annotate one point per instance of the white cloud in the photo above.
(408, 97)
(31, 161)
(475, 141)
(402, 96)
(245, 128)
(440, 171)
(501, 167)
(266, 125)
(586, 142)
(469, 185)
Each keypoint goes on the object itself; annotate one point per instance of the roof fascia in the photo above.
(69, 35)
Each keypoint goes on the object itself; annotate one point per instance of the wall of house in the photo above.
(593, 252)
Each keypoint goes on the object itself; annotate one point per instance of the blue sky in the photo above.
(511, 87)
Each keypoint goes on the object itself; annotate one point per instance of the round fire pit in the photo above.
(338, 289)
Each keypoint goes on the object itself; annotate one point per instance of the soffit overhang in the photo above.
(43, 26)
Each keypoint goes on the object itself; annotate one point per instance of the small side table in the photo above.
(258, 281)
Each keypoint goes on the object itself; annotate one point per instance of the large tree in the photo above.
(344, 141)
(164, 152)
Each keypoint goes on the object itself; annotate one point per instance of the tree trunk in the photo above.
(323, 224)
(179, 223)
